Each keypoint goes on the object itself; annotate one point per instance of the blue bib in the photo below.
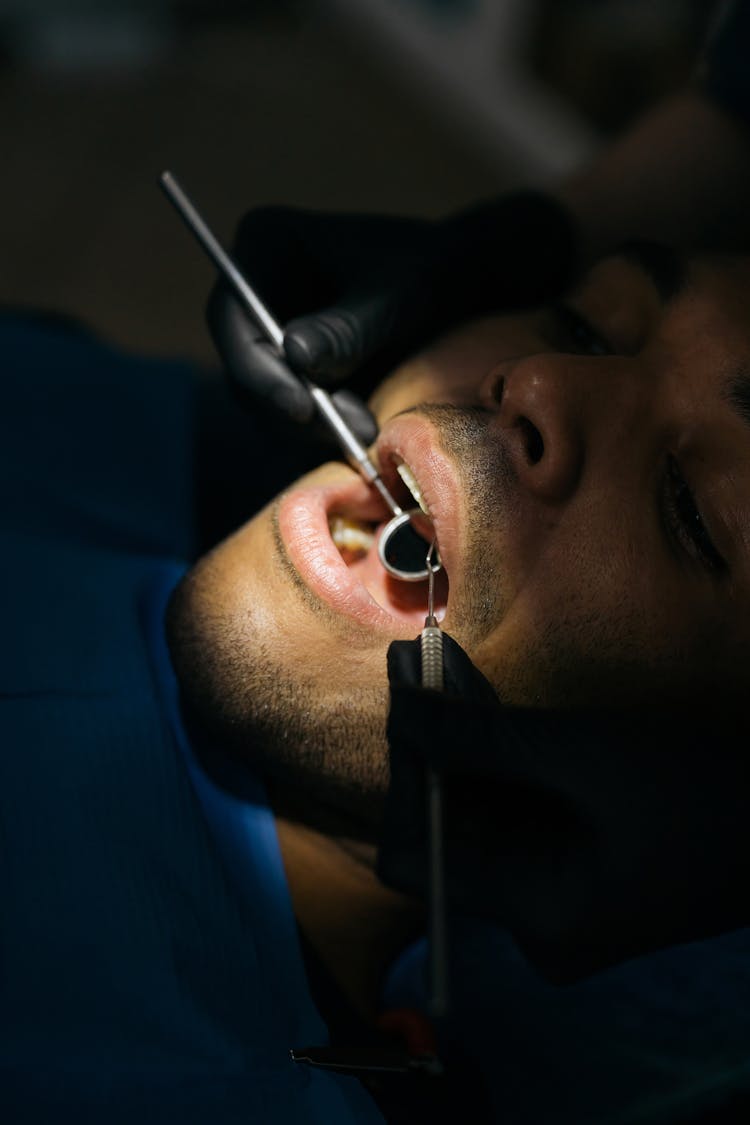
(149, 964)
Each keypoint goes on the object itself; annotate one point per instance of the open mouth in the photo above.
(331, 535)
(357, 541)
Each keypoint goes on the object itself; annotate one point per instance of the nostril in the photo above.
(533, 440)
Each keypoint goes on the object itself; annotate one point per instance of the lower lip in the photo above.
(303, 525)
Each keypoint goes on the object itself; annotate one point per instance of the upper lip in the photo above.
(412, 438)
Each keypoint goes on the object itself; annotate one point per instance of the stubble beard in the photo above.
(324, 739)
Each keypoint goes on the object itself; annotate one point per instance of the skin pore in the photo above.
(595, 456)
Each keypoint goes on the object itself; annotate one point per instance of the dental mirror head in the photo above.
(402, 549)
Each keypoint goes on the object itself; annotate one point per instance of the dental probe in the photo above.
(432, 678)
(353, 450)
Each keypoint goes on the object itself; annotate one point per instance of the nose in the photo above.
(536, 401)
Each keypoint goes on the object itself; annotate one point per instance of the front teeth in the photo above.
(407, 476)
(349, 535)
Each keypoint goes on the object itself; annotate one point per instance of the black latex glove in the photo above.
(357, 293)
(593, 836)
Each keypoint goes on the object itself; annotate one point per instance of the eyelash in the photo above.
(578, 335)
(685, 522)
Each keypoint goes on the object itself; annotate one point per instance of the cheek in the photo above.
(419, 382)
(587, 627)
(453, 369)
(243, 600)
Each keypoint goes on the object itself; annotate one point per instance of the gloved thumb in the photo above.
(462, 679)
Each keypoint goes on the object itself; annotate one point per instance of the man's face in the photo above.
(587, 471)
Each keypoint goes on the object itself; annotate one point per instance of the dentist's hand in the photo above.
(358, 293)
(592, 836)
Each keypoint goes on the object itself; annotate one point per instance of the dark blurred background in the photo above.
(412, 106)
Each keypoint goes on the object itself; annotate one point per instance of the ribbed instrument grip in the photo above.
(432, 658)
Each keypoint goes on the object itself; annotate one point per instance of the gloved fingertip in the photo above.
(308, 349)
(295, 403)
(404, 663)
(358, 415)
(366, 427)
(462, 678)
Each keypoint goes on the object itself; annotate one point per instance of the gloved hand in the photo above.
(593, 836)
(357, 293)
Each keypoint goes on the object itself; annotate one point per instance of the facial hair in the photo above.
(323, 734)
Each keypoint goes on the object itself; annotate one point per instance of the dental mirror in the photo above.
(401, 549)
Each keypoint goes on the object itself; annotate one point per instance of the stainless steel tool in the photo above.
(432, 679)
(400, 547)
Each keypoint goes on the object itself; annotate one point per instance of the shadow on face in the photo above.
(587, 470)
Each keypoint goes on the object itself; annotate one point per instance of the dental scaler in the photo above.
(400, 548)
(431, 643)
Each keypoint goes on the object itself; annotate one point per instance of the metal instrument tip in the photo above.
(431, 583)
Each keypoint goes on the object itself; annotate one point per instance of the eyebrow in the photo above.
(665, 267)
(737, 394)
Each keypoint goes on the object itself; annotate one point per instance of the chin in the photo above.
(273, 675)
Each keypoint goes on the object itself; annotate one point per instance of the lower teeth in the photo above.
(350, 535)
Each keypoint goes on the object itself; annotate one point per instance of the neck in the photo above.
(355, 925)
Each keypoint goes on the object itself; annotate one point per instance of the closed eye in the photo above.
(571, 332)
(685, 523)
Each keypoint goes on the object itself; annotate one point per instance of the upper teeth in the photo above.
(407, 476)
